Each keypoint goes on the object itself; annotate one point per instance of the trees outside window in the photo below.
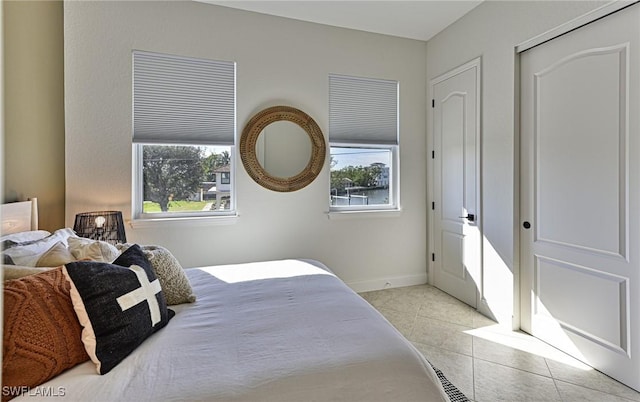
(181, 178)
(360, 177)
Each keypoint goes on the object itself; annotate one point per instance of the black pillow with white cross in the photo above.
(119, 305)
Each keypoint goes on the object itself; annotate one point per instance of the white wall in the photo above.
(279, 61)
(491, 31)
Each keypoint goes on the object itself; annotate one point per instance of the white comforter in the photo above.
(272, 331)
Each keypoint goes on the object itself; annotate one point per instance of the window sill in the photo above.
(365, 214)
(190, 221)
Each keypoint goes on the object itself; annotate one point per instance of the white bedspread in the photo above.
(272, 331)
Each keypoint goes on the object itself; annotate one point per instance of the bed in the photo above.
(285, 330)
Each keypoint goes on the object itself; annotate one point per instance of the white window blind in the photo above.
(363, 110)
(183, 100)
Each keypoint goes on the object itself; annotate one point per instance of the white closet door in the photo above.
(580, 194)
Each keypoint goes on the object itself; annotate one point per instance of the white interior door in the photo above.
(580, 194)
(456, 257)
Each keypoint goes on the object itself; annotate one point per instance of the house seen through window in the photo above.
(360, 176)
(186, 178)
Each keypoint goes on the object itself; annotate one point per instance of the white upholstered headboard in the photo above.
(19, 216)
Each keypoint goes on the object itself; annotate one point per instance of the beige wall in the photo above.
(33, 149)
(279, 61)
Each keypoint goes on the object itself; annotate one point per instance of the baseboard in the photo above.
(388, 283)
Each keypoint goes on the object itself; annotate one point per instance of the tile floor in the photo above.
(486, 361)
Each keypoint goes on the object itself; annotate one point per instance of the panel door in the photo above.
(456, 257)
(580, 194)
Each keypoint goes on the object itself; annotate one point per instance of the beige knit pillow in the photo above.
(173, 280)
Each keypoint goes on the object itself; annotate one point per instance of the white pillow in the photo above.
(28, 254)
(95, 250)
(22, 237)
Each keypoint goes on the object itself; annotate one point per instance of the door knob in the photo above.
(470, 217)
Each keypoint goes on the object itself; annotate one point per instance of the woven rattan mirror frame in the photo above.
(254, 128)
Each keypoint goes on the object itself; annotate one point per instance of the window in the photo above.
(363, 136)
(183, 135)
(225, 178)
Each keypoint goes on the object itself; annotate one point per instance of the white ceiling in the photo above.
(417, 19)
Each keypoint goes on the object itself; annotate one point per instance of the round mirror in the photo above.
(282, 148)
